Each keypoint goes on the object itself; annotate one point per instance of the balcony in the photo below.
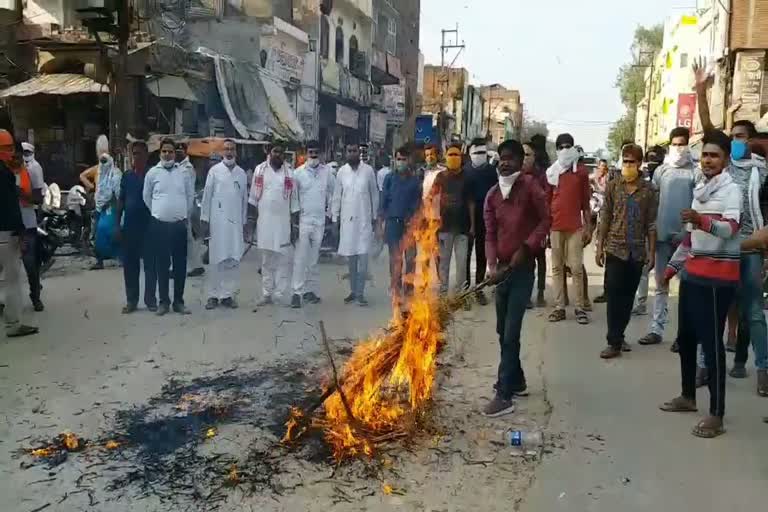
(385, 68)
(364, 7)
(339, 82)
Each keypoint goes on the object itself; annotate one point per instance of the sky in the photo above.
(563, 55)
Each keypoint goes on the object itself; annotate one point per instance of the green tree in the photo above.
(630, 82)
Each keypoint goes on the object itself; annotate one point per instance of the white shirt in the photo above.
(225, 207)
(36, 180)
(381, 175)
(355, 206)
(315, 191)
(275, 200)
(168, 193)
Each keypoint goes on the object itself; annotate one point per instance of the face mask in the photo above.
(431, 160)
(679, 155)
(401, 167)
(630, 172)
(104, 159)
(229, 162)
(313, 162)
(479, 160)
(568, 156)
(453, 162)
(29, 158)
(168, 163)
(738, 149)
(506, 183)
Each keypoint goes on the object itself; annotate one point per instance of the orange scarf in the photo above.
(24, 183)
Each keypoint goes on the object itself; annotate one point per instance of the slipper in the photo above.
(581, 317)
(678, 404)
(707, 432)
(557, 315)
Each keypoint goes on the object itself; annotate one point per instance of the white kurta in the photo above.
(315, 190)
(355, 206)
(225, 208)
(275, 205)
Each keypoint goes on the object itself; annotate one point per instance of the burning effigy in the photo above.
(384, 389)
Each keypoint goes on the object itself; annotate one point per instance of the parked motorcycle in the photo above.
(70, 226)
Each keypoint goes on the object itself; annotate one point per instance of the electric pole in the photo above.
(445, 80)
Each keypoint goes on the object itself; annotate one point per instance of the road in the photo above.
(93, 369)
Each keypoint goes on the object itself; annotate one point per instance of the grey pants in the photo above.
(358, 273)
(458, 246)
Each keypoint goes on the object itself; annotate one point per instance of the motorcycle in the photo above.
(70, 227)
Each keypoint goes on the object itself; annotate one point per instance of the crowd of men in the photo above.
(702, 221)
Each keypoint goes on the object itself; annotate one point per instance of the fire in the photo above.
(233, 477)
(43, 452)
(387, 489)
(211, 432)
(70, 441)
(387, 382)
(112, 445)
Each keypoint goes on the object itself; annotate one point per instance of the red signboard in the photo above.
(686, 108)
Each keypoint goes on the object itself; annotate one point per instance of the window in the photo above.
(683, 60)
(352, 51)
(392, 36)
(339, 45)
(325, 30)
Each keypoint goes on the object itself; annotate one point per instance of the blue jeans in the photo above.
(751, 317)
(664, 252)
(511, 300)
(358, 273)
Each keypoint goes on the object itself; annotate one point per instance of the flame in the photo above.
(70, 441)
(387, 489)
(112, 445)
(211, 432)
(387, 381)
(43, 452)
(233, 477)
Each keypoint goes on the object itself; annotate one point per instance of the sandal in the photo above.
(706, 430)
(557, 315)
(581, 317)
(679, 404)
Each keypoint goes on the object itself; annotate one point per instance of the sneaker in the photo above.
(350, 298)
(296, 301)
(762, 382)
(482, 299)
(626, 347)
(21, 331)
(37, 305)
(212, 303)
(312, 298)
(702, 377)
(181, 309)
(675, 348)
(130, 308)
(521, 393)
(163, 310)
(610, 353)
(152, 308)
(362, 302)
(738, 372)
(600, 299)
(230, 303)
(498, 407)
(197, 272)
(640, 310)
(650, 339)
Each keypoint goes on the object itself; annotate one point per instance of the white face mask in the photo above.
(168, 163)
(567, 157)
(229, 162)
(506, 183)
(313, 162)
(678, 155)
(478, 155)
(29, 158)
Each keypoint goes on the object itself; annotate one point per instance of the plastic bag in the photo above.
(106, 248)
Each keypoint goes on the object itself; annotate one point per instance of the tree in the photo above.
(533, 127)
(631, 84)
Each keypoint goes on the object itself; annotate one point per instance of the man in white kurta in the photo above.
(355, 206)
(315, 186)
(274, 196)
(225, 212)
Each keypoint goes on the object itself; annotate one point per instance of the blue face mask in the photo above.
(738, 149)
(401, 167)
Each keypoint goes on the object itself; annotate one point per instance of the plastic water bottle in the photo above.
(524, 441)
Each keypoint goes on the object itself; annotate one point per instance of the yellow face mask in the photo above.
(453, 160)
(630, 172)
(430, 156)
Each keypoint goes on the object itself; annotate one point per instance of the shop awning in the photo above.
(59, 84)
(169, 86)
(281, 108)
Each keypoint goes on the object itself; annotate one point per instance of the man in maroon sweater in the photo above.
(517, 222)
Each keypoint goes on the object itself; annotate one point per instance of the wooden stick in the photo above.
(344, 401)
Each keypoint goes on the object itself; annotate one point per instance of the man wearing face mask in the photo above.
(626, 243)
(30, 198)
(224, 214)
(571, 231)
(168, 193)
(674, 180)
(314, 186)
(274, 196)
(517, 219)
(749, 172)
(400, 200)
(481, 177)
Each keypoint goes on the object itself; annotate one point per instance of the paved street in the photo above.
(609, 447)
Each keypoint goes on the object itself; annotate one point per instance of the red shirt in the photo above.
(569, 199)
(520, 219)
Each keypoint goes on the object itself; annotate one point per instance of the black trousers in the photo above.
(169, 244)
(511, 300)
(621, 281)
(701, 319)
(541, 270)
(478, 245)
(137, 249)
(32, 262)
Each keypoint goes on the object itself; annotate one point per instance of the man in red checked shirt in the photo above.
(517, 221)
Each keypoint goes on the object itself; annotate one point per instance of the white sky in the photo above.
(563, 55)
